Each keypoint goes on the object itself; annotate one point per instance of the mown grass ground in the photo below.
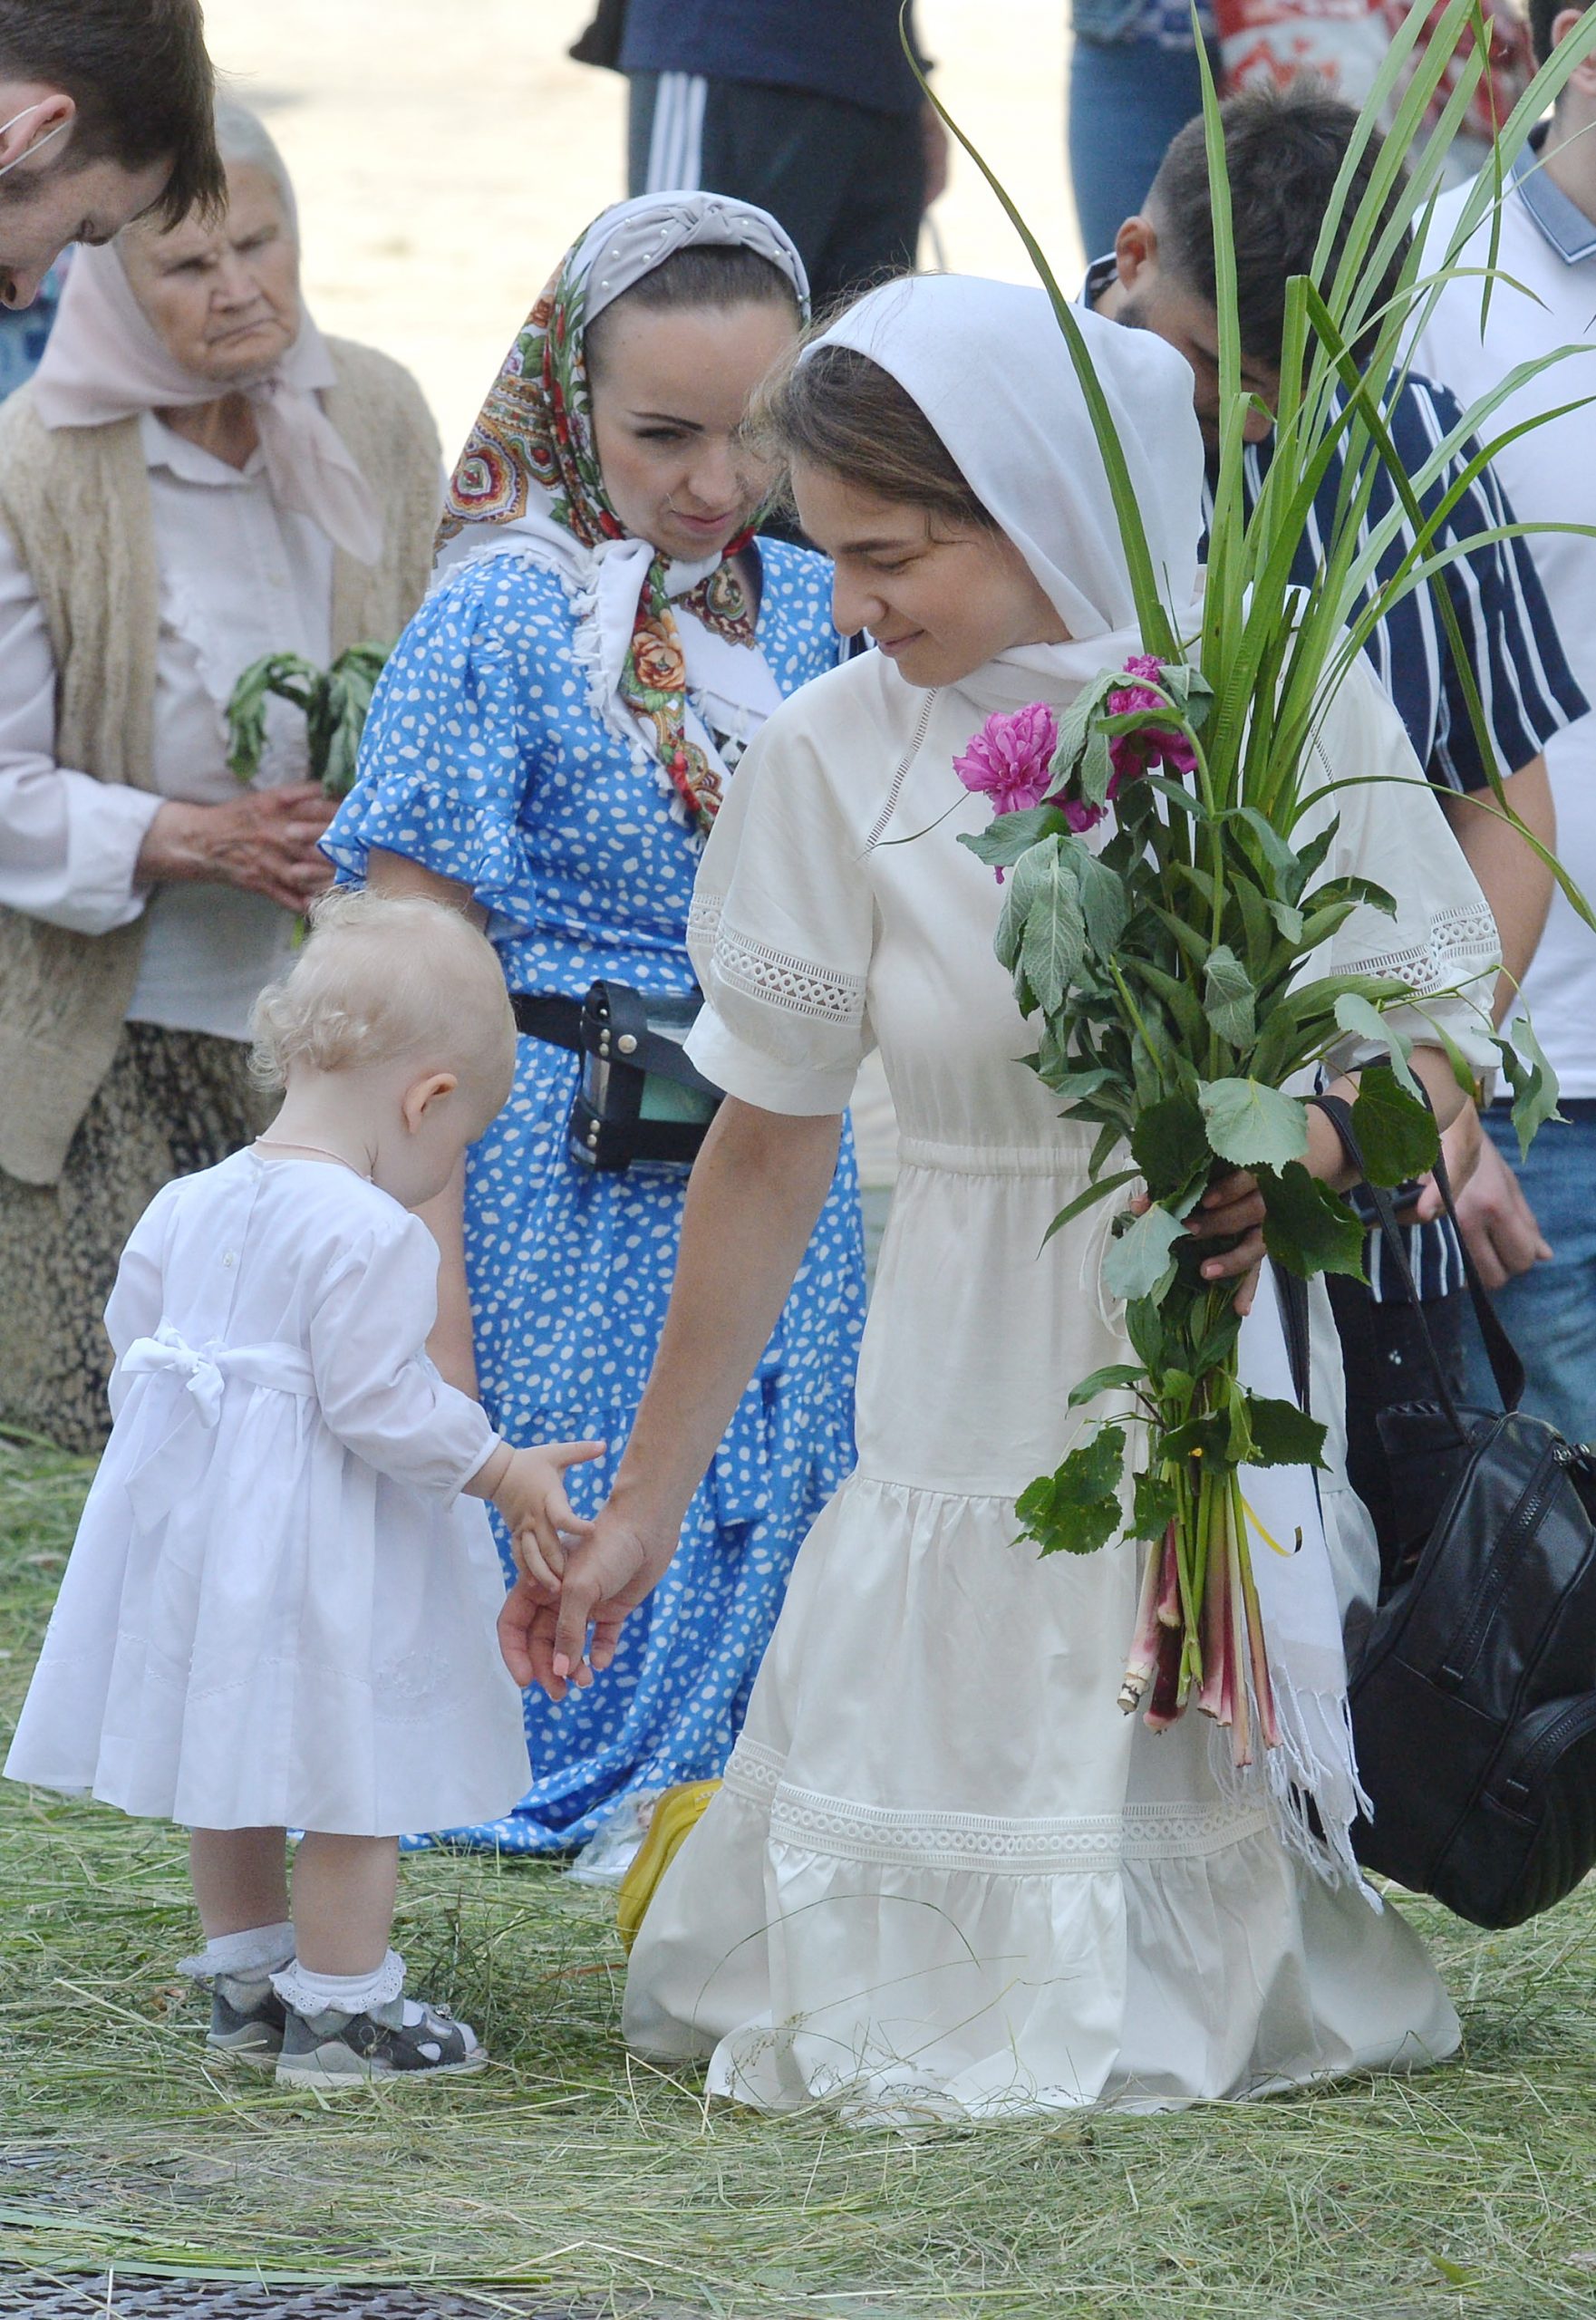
(569, 2171)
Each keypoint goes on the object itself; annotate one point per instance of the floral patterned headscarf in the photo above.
(531, 468)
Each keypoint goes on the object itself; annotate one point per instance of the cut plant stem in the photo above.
(1144, 1650)
(1257, 1644)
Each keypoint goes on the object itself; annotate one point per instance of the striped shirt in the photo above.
(1526, 690)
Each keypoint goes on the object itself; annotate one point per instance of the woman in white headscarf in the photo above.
(548, 748)
(945, 1876)
(194, 478)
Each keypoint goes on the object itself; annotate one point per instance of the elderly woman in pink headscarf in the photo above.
(194, 479)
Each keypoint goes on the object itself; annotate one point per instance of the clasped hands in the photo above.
(571, 1574)
(587, 1578)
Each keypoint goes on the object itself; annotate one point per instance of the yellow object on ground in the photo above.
(677, 1813)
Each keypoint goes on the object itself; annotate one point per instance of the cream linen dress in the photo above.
(946, 1877)
(279, 1611)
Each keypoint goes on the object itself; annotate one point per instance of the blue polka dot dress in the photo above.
(484, 761)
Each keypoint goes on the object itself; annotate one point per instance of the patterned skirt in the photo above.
(172, 1102)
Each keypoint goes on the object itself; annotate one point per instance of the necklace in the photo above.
(284, 1144)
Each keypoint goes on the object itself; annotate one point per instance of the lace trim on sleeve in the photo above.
(1459, 944)
(775, 977)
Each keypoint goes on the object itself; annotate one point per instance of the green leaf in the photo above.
(1104, 902)
(1178, 996)
(1103, 1381)
(1357, 1017)
(1096, 769)
(1030, 869)
(1200, 1437)
(1306, 1228)
(1095, 1191)
(1139, 1264)
(1075, 726)
(1229, 999)
(1286, 865)
(1055, 933)
(1533, 1083)
(1151, 1340)
(1076, 1510)
(1282, 1434)
(1363, 891)
(1289, 920)
(1397, 1130)
(1008, 835)
(1251, 1125)
(1169, 1145)
(1157, 1501)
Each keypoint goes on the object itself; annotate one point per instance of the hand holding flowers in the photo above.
(1162, 932)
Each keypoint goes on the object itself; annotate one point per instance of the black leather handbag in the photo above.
(1473, 1695)
(639, 1097)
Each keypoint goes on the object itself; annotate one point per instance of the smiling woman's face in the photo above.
(223, 299)
(939, 602)
(671, 390)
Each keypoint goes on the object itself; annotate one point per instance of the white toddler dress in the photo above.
(279, 1611)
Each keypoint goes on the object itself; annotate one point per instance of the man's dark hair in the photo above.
(138, 74)
(1542, 14)
(1283, 151)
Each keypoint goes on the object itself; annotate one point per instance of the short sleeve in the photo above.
(451, 746)
(1527, 692)
(379, 1393)
(1442, 942)
(782, 928)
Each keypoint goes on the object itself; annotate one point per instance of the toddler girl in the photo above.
(279, 1611)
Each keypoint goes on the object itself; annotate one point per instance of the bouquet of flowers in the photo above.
(335, 703)
(1174, 972)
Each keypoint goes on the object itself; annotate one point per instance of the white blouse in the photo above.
(239, 577)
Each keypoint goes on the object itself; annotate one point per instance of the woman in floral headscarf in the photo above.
(549, 747)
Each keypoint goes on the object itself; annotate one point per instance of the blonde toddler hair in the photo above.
(386, 976)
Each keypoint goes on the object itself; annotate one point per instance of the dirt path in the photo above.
(446, 151)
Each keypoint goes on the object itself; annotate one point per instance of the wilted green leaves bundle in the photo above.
(335, 703)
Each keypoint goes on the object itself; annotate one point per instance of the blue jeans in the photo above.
(1126, 100)
(1549, 1311)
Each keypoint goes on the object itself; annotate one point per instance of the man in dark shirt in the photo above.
(810, 110)
(1283, 153)
(105, 111)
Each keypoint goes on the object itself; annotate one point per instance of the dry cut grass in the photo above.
(568, 2171)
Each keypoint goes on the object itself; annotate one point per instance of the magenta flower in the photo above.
(1134, 754)
(1009, 759)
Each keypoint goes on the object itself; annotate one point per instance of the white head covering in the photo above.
(987, 364)
(105, 362)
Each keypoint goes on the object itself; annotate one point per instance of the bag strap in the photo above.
(1506, 1368)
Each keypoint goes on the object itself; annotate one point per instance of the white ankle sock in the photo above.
(309, 1993)
(252, 1955)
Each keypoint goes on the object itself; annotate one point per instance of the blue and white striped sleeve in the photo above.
(1526, 689)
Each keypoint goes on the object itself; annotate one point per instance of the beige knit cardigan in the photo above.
(76, 502)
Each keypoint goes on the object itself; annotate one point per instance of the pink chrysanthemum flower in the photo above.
(1134, 754)
(1008, 760)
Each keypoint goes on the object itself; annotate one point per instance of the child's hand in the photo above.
(530, 1495)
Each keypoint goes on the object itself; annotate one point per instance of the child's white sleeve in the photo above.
(133, 1309)
(379, 1392)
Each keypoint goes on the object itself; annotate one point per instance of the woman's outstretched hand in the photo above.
(545, 1638)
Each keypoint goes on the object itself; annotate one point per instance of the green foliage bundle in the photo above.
(1176, 975)
(335, 703)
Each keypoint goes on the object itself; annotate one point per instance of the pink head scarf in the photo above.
(104, 362)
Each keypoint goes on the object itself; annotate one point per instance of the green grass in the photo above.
(567, 2169)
